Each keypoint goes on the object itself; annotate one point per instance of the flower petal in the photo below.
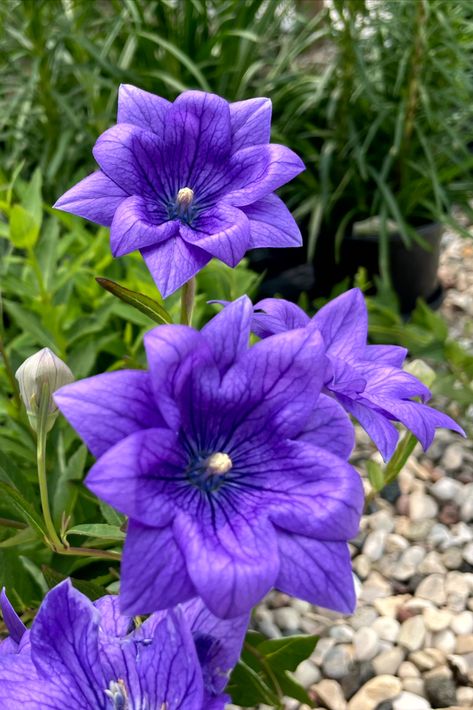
(276, 315)
(139, 476)
(271, 224)
(218, 642)
(96, 197)
(330, 428)
(231, 559)
(375, 423)
(64, 644)
(317, 571)
(142, 108)
(132, 157)
(228, 333)
(106, 408)
(223, 231)
(153, 573)
(392, 355)
(140, 223)
(251, 122)
(174, 262)
(14, 624)
(21, 688)
(256, 171)
(343, 323)
(279, 381)
(312, 492)
(197, 138)
(112, 621)
(173, 352)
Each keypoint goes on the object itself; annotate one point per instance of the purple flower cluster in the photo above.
(367, 380)
(230, 463)
(82, 655)
(187, 181)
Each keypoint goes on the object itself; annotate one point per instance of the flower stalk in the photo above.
(187, 301)
(42, 434)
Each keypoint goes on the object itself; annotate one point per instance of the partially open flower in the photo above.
(40, 376)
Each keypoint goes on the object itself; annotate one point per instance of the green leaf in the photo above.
(24, 229)
(293, 689)
(375, 475)
(143, 303)
(248, 689)
(111, 515)
(23, 508)
(32, 197)
(285, 654)
(22, 537)
(98, 530)
(91, 590)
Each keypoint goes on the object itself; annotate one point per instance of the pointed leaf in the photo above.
(143, 303)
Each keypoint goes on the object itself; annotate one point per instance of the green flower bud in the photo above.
(39, 376)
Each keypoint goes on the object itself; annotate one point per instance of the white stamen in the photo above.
(218, 464)
(185, 197)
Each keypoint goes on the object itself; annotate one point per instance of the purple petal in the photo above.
(197, 138)
(317, 571)
(154, 572)
(139, 475)
(256, 171)
(386, 354)
(112, 621)
(329, 428)
(228, 333)
(307, 490)
(375, 423)
(21, 688)
(169, 674)
(173, 352)
(346, 379)
(174, 262)
(107, 408)
(96, 197)
(140, 223)
(250, 122)
(281, 378)
(218, 642)
(132, 157)
(344, 325)
(391, 382)
(14, 624)
(231, 559)
(418, 418)
(64, 644)
(223, 231)
(271, 224)
(276, 315)
(142, 108)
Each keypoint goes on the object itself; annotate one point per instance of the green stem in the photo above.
(187, 301)
(90, 552)
(7, 523)
(10, 375)
(396, 462)
(41, 463)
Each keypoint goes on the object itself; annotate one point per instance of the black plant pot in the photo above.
(413, 270)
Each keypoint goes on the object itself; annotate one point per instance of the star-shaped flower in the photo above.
(82, 655)
(367, 380)
(187, 181)
(230, 465)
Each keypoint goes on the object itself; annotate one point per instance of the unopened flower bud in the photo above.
(41, 375)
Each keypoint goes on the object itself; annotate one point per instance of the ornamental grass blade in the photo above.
(143, 303)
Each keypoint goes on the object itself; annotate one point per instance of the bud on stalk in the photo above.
(40, 376)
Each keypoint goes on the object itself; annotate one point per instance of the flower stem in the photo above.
(90, 552)
(41, 463)
(187, 301)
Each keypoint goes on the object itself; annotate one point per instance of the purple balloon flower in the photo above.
(84, 655)
(187, 181)
(230, 465)
(367, 380)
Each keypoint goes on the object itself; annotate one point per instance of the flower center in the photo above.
(185, 197)
(218, 464)
(208, 472)
(117, 693)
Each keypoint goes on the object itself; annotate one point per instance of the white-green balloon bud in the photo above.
(40, 376)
